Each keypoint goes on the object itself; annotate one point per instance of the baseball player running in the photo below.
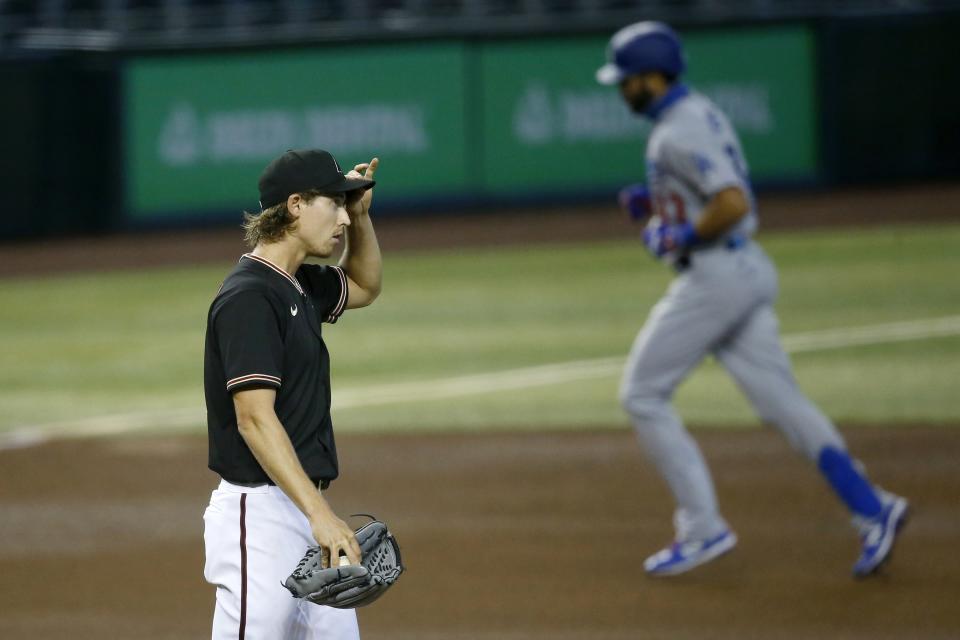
(702, 216)
(267, 386)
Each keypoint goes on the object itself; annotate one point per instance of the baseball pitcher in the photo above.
(267, 387)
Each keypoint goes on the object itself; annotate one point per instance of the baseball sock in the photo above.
(849, 483)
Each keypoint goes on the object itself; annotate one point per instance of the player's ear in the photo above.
(294, 202)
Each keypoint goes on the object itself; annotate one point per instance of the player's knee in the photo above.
(640, 402)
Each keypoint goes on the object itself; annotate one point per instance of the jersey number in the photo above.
(671, 208)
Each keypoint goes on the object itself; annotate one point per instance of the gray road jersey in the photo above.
(693, 152)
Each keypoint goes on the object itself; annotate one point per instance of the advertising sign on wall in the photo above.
(200, 129)
(548, 124)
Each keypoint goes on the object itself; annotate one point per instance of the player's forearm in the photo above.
(361, 258)
(271, 446)
(725, 209)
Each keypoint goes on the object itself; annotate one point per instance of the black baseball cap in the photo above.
(303, 170)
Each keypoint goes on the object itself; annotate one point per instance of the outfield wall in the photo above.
(104, 142)
(452, 120)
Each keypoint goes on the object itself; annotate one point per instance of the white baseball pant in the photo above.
(254, 538)
(722, 304)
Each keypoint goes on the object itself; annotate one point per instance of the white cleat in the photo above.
(877, 535)
(684, 555)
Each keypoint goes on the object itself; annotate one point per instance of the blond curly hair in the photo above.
(274, 223)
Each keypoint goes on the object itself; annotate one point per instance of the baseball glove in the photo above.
(350, 586)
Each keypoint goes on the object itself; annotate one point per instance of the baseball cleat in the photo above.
(877, 535)
(684, 555)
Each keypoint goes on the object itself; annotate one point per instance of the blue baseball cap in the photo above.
(642, 47)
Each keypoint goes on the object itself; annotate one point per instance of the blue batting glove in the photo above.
(661, 239)
(635, 201)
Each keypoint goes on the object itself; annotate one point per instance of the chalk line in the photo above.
(468, 385)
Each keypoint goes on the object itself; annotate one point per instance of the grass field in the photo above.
(119, 342)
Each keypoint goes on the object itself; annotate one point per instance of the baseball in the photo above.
(344, 561)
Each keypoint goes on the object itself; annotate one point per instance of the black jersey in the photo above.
(264, 330)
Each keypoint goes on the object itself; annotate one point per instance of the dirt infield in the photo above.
(515, 537)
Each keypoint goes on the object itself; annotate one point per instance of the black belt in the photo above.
(252, 485)
(730, 243)
(320, 484)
